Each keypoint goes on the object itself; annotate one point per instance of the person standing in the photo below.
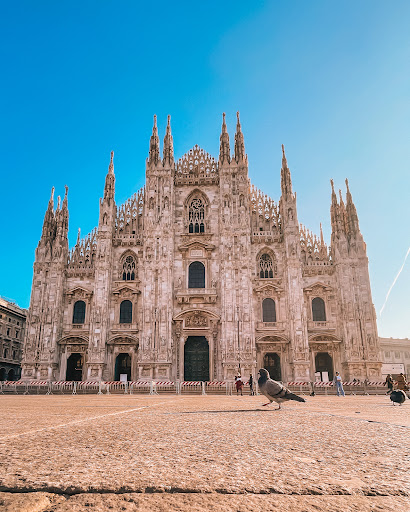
(239, 385)
(389, 383)
(251, 385)
(337, 381)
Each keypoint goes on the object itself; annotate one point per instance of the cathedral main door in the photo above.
(75, 367)
(196, 359)
(271, 362)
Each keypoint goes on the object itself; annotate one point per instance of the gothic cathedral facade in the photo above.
(200, 275)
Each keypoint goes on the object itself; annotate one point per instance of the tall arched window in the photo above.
(196, 216)
(196, 275)
(265, 266)
(269, 310)
(128, 269)
(79, 312)
(126, 312)
(318, 310)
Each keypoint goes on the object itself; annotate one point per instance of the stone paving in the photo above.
(192, 453)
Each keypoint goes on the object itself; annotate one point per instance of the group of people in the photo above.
(239, 385)
(401, 383)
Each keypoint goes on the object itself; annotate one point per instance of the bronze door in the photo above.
(196, 359)
(271, 362)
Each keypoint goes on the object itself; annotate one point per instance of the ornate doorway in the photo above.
(196, 358)
(271, 362)
(324, 365)
(123, 366)
(75, 367)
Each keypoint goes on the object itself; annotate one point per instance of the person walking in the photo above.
(337, 381)
(389, 383)
(239, 385)
(251, 385)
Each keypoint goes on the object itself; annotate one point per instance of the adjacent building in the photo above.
(200, 274)
(395, 355)
(12, 328)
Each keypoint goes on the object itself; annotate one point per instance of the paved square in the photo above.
(122, 452)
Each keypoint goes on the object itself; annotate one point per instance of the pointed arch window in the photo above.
(196, 216)
(79, 312)
(268, 310)
(265, 266)
(196, 275)
(318, 310)
(128, 269)
(126, 312)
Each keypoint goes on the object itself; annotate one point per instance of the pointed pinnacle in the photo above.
(78, 236)
(333, 188)
(58, 202)
(52, 196)
(238, 122)
(111, 166)
(284, 161)
(169, 121)
(223, 123)
(321, 234)
(66, 191)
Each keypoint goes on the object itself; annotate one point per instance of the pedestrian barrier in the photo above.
(304, 388)
(191, 387)
(175, 387)
(218, 388)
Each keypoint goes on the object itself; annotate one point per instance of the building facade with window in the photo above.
(12, 327)
(197, 275)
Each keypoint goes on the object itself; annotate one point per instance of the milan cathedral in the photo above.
(200, 275)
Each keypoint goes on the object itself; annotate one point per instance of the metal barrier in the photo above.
(303, 388)
(191, 387)
(177, 387)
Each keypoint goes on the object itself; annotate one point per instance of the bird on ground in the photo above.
(397, 396)
(274, 390)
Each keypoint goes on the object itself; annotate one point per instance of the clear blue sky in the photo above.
(330, 80)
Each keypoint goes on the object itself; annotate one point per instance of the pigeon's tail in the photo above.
(292, 396)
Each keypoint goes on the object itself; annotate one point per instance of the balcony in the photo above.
(265, 236)
(321, 326)
(196, 295)
(270, 326)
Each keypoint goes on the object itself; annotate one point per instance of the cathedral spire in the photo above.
(286, 180)
(49, 219)
(351, 213)
(109, 188)
(153, 158)
(239, 141)
(224, 149)
(168, 154)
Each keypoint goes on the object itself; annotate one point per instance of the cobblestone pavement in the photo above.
(192, 453)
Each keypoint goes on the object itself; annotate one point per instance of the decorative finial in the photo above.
(347, 184)
(340, 195)
(66, 191)
(333, 188)
(111, 166)
(78, 236)
(155, 120)
(58, 202)
(321, 234)
(237, 118)
(223, 123)
(169, 120)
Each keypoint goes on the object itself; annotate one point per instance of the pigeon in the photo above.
(275, 391)
(398, 396)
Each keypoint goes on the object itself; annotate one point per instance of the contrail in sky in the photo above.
(394, 282)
